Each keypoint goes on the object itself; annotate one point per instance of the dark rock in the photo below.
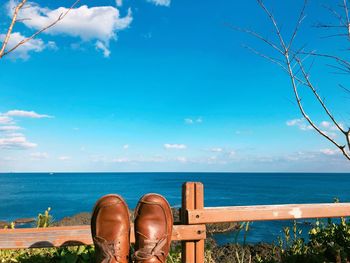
(75, 220)
(176, 214)
(222, 228)
(266, 251)
(250, 253)
(4, 224)
(21, 221)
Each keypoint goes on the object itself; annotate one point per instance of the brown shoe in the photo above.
(153, 227)
(110, 228)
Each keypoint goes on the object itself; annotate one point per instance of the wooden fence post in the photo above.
(192, 198)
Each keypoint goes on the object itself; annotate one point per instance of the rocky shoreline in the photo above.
(19, 221)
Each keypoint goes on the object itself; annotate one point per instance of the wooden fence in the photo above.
(192, 231)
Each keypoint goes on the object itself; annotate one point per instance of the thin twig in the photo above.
(347, 16)
(257, 35)
(299, 22)
(319, 99)
(12, 24)
(289, 57)
(61, 16)
(335, 13)
(273, 60)
(273, 20)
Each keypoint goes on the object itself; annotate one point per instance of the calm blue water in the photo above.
(25, 195)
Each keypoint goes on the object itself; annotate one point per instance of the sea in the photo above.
(27, 194)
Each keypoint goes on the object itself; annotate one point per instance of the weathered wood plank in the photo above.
(188, 202)
(267, 212)
(75, 235)
(199, 245)
(192, 198)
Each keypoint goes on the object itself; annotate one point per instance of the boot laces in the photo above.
(110, 249)
(151, 248)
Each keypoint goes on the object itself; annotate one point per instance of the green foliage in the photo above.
(245, 227)
(328, 242)
(331, 240)
(292, 245)
(11, 226)
(77, 254)
(44, 220)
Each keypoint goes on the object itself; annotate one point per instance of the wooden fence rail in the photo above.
(77, 235)
(267, 212)
(191, 232)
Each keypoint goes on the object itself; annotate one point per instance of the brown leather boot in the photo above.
(110, 228)
(153, 227)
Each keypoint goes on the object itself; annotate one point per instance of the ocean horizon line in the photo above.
(172, 172)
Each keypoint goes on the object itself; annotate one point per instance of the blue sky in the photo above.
(161, 86)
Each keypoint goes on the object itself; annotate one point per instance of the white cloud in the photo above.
(140, 159)
(101, 46)
(330, 134)
(231, 154)
(221, 156)
(10, 159)
(9, 128)
(160, 2)
(217, 150)
(193, 121)
(99, 23)
(181, 159)
(64, 158)
(121, 160)
(26, 114)
(14, 134)
(39, 156)
(300, 123)
(330, 126)
(126, 146)
(22, 52)
(188, 121)
(175, 146)
(11, 137)
(325, 124)
(244, 132)
(5, 120)
(329, 151)
(119, 2)
(16, 143)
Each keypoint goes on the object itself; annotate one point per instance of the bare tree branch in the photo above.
(273, 20)
(299, 22)
(344, 22)
(255, 34)
(339, 60)
(319, 99)
(12, 24)
(303, 112)
(300, 74)
(273, 60)
(25, 40)
(336, 14)
(347, 16)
